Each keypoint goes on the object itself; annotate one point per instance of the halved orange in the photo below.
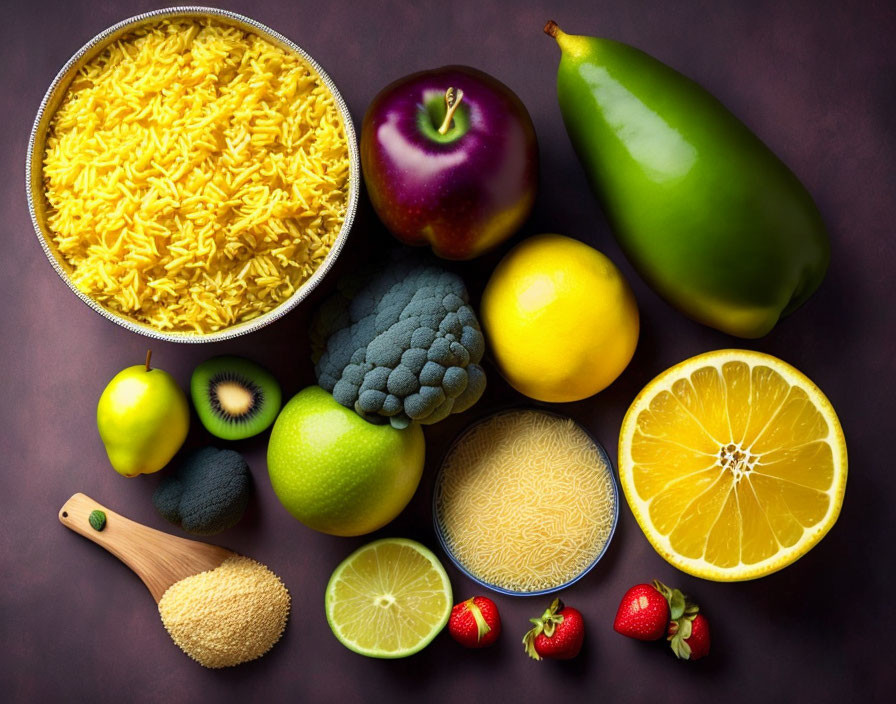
(733, 463)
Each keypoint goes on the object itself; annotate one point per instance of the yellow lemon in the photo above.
(733, 463)
(560, 318)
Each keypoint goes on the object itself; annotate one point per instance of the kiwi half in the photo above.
(235, 398)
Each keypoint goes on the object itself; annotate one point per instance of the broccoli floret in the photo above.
(208, 494)
(402, 344)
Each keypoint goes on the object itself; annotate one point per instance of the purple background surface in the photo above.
(814, 79)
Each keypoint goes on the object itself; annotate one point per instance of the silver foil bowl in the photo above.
(34, 172)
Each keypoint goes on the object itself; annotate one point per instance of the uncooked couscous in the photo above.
(526, 501)
(228, 615)
(195, 175)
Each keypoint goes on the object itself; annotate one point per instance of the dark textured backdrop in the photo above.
(814, 79)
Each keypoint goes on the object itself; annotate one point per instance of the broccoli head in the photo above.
(208, 494)
(403, 344)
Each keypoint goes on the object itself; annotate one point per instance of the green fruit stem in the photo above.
(148, 357)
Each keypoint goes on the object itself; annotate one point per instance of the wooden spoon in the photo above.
(159, 559)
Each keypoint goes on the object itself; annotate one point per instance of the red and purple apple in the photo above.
(450, 160)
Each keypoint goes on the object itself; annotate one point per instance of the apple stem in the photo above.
(453, 96)
(552, 29)
(148, 357)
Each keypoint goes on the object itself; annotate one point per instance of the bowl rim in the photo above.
(60, 83)
(440, 534)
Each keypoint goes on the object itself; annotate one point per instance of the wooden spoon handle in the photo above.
(120, 536)
(159, 559)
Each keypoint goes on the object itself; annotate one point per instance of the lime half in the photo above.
(388, 599)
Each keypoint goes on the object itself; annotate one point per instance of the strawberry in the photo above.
(643, 613)
(557, 635)
(649, 611)
(689, 636)
(475, 623)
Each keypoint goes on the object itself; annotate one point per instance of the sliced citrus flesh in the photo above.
(733, 463)
(388, 599)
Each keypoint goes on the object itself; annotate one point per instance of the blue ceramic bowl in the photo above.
(440, 529)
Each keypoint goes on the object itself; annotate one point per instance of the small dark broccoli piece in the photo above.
(403, 343)
(208, 494)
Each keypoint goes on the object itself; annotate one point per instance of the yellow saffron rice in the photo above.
(525, 501)
(195, 175)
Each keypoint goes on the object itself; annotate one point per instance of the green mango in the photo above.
(709, 216)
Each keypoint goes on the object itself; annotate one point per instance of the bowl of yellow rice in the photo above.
(192, 174)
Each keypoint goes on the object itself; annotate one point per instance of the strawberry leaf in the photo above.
(662, 589)
(482, 626)
(673, 628)
(681, 649)
(677, 605)
(546, 624)
(676, 600)
(529, 645)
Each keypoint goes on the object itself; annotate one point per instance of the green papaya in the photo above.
(703, 209)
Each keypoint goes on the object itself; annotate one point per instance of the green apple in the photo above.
(143, 418)
(338, 473)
